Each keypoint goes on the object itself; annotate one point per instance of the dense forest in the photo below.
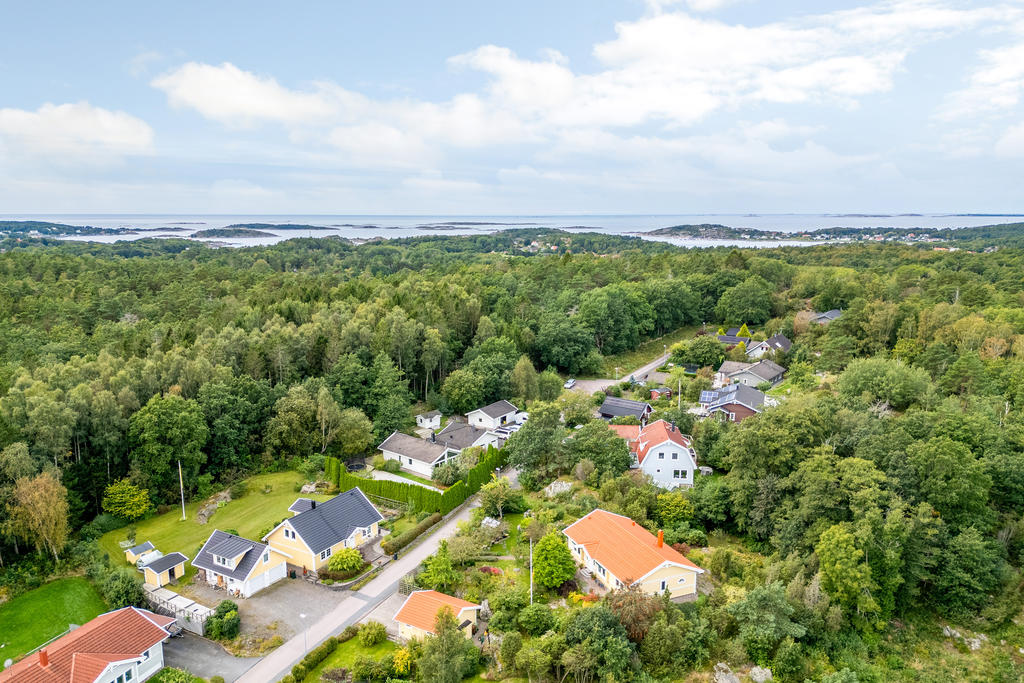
(893, 484)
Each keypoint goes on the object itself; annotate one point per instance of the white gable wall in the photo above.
(670, 465)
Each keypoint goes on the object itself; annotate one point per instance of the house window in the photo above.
(410, 460)
(223, 561)
(325, 554)
(128, 675)
(288, 533)
(266, 556)
(661, 456)
(664, 585)
(675, 456)
(145, 655)
(682, 580)
(120, 679)
(600, 569)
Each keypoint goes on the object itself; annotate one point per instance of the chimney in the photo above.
(313, 505)
(44, 659)
(661, 538)
(433, 436)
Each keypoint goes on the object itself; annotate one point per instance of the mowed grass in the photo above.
(33, 618)
(628, 361)
(248, 515)
(345, 656)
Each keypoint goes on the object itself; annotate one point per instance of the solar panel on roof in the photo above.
(707, 396)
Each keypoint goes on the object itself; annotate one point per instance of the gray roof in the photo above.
(621, 407)
(413, 447)
(497, 409)
(828, 316)
(430, 413)
(204, 560)
(166, 562)
(732, 339)
(231, 546)
(140, 548)
(733, 393)
(730, 366)
(334, 520)
(732, 331)
(459, 435)
(766, 369)
(300, 505)
(779, 342)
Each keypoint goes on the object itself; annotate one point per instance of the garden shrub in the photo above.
(393, 545)
(238, 489)
(372, 633)
(299, 672)
(536, 619)
(346, 560)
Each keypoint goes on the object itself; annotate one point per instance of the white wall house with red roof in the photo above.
(662, 451)
(620, 553)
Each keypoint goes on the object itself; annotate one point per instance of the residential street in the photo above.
(589, 386)
(353, 608)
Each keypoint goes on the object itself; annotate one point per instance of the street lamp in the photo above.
(305, 642)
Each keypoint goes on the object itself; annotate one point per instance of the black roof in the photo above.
(620, 407)
(733, 393)
(732, 339)
(413, 447)
(142, 547)
(204, 560)
(334, 520)
(459, 435)
(300, 505)
(166, 562)
(232, 546)
(497, 409)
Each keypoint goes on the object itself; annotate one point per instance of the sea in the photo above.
(365, 227)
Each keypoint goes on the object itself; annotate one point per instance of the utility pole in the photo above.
(679, 394)
(181, 485)
(531, 570)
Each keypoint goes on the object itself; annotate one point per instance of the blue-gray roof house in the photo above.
(318, 530)
(238, 565)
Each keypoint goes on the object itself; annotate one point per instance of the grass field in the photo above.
(346, 655)
(413, 477)
(248, 515)
(31, 619)
(627, 361)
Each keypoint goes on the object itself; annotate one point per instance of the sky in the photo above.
(526, 107)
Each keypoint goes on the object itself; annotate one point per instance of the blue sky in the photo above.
(663, 106)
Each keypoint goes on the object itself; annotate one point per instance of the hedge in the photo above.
(414, 495)
(393, 545)
(341, 576)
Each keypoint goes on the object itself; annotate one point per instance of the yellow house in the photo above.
(238, 565)
(417, 615)
(163, 570)
(619, 553)
(132, 555)
(318, 530)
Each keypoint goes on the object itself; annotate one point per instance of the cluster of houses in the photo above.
(487, 426)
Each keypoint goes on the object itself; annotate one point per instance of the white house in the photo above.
(238, 565)
(661, 451)
(429, 420)
(492, 416)
(123, 646)
(773, 344)
(419, 456)
(751, 374)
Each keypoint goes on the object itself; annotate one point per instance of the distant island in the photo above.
(232, 232)
(276, 226)
(48, 229)
(714, 231)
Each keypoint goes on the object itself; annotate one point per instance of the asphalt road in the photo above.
(589, 386)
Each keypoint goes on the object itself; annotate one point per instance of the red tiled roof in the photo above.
(622, 546)
(642, 440)
(80, 656)
(421, 607)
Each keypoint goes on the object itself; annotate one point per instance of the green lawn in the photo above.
(628, 361)
(504, 547)
(248, 516)
(413, 477)
(346, 655)
(31, 619)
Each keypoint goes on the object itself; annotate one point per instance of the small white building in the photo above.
(492, 416)
(430, 420)
(774, 344)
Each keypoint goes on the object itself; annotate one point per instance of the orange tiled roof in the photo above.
(622, 546)
(654, 434)
(80, 656)
(421, 607)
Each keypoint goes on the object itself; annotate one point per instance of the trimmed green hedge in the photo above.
(317, 655)
(414, 495)
(393, 545)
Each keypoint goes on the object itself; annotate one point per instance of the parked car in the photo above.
(569, 383)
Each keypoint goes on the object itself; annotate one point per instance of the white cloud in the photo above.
(1011, 144)
(232, 96)
(994, 87)
(79, 132)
